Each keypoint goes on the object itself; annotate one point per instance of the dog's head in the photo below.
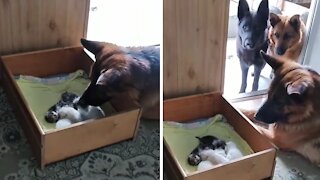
(284, 33)
(252, 25)
(292, 93)
(109, 74)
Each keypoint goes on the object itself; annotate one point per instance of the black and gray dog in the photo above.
(251, 38)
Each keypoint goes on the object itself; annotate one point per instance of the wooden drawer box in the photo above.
(58, 144)
(258, 165)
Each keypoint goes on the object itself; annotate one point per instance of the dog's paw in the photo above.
(249, 114)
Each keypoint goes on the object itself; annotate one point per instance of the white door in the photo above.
(312, 44)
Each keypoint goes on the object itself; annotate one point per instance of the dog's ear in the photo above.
(274, 19)
(93, 46)
(263, 11)
(243, 9)
(272, 61)
(295, 22)
(110, 77)
(297, 88)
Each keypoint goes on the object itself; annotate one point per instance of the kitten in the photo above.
(205, 143)
(210, 157)
(65, 109)
(233, 151)
(67, 99)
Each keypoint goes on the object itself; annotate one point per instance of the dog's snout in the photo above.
(280, 51)
(248, 44)
(269, 113)
(80, 103)
(258, 116)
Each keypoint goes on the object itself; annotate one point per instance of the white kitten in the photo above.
(70, 113)
(91, 112)
(232, 151)
(204, 165)
(217, 156)
(62, 123)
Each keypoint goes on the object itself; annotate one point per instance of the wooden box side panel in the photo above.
(191, 107)
(245, 128)
(90, 135)
(256, 166)
(37, 24)
(195, 36)
(48, 62)
(22, 114)
(169, 165)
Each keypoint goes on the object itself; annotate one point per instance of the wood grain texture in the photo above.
(191, 107)
(48, 62)
(22, 112)
(245, 128)
(37, 24)
(93, 133)
(256, 166)
(194, 44)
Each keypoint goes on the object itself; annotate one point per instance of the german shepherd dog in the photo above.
(292, 108)
(251, 38)
(118, 70)
(286, 36)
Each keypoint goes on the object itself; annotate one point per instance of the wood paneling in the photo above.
(195, 34)
(38, 24)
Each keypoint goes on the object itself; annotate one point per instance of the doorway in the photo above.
(125, 22)
(232, 81)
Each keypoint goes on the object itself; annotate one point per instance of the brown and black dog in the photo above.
(292, 108)
(119, 70)
(286, 36)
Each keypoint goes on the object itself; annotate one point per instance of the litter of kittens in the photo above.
(206, 138)
(212, 151)
(63, 113)
(56, 69)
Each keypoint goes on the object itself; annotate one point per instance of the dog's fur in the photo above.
(119, 70)
(251, 38)
(286, 36)
(292, 108)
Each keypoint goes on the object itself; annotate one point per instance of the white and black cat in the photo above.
(205, 143)
(66, 110)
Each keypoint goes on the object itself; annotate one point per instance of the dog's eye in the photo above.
(245, 27)
(277, 35)
(297, 98)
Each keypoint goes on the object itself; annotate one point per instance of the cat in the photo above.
(65, 109)
(205, 143)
